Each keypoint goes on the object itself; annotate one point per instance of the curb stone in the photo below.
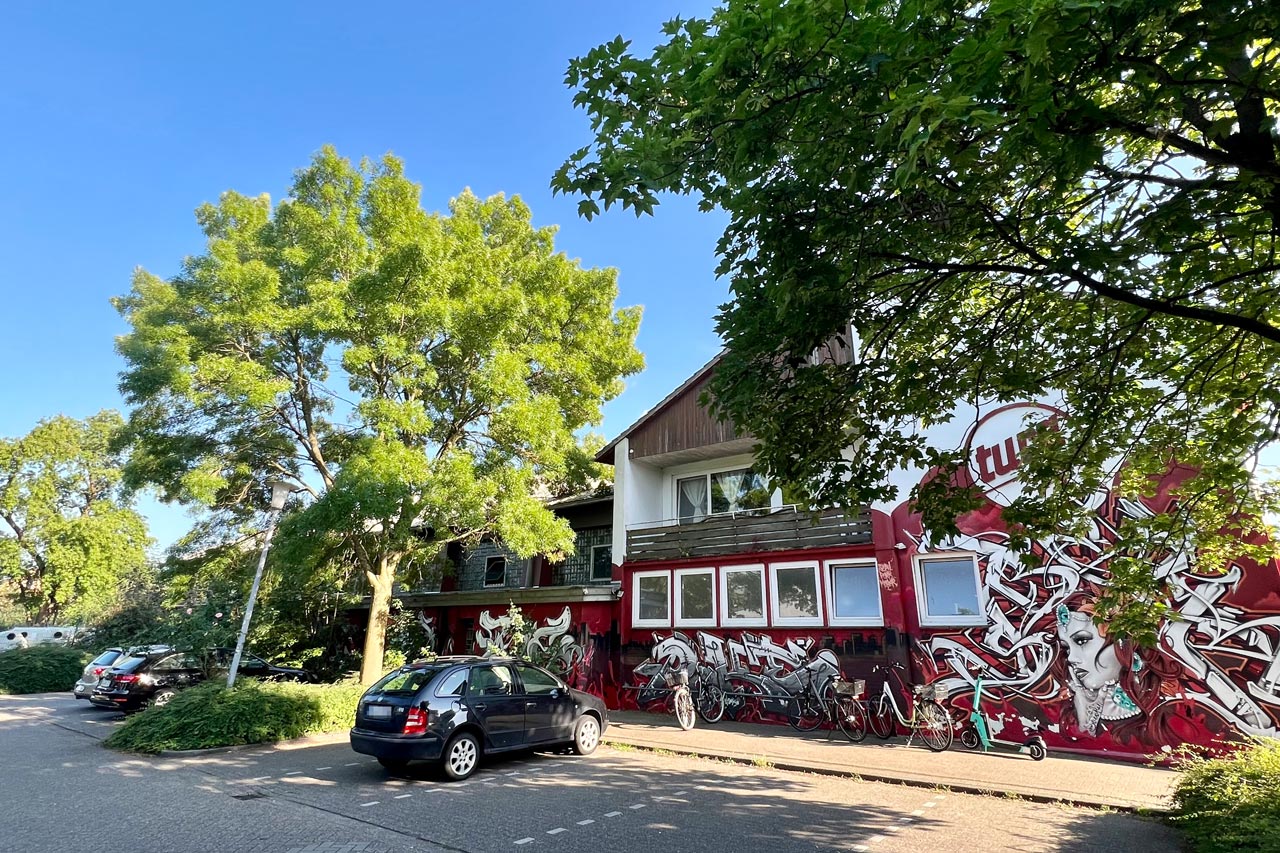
(324, 739)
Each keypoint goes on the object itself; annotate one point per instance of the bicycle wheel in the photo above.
(710, 702)
(742, 701)
(851, 719)
(804, 712)
(934, 724)
(880, 714)
(684, 709)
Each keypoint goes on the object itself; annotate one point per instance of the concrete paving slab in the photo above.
(1058, 778)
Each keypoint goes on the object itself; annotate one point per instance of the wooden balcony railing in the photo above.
(744, 532)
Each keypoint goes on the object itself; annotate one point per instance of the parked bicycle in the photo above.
(677, 681)
(837, 703)
(708, 694)
(925, 716)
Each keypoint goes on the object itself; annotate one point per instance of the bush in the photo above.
(44, 668)
(1231, 803)
(210, 715)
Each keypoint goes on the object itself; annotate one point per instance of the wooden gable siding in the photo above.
(681, 425)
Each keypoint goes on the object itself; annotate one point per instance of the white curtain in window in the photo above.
(731, 488)
(693, 504)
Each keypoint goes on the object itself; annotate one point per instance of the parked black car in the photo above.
(151, 677)
(252, 666)
(99, 666)
(456, 710)
(147, 679)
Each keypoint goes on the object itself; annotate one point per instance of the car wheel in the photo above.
(162, 697)
(461, 756)
(586, 735)
(395, 765)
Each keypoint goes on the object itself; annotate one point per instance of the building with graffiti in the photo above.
(717, 573)
(569, 607)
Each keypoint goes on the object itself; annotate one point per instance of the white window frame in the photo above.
(673, 475)
(795, 621)
(591, 566)
(636, 621)
(677, 604)
(748, 621)
(922, 598)
(506, 564)
(829, 573)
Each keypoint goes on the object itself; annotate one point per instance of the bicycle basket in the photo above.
(676, 677)
(926, 691)
(851, 688)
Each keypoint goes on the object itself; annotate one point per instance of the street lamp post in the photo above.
(280, 490)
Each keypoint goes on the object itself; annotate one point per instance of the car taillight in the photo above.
(126, 679)
(97, 671)
(415, 722)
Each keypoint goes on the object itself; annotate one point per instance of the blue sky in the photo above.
(119, 119)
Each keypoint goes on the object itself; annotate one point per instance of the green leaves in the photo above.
(68, 533)
(994, 202)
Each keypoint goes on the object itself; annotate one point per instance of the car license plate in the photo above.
(377, 712)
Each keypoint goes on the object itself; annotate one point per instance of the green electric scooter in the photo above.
(977, 732)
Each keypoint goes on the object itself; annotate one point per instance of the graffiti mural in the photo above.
(1048, 667)
(758, 674)
(550, 644)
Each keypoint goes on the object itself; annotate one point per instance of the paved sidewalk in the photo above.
(1083, 781)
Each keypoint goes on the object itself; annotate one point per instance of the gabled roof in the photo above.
(605, 455)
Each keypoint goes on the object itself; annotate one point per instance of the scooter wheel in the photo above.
(1037, 751)
(970, 739)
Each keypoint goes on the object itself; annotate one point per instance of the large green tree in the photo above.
(69, 536)
(420, 377)
(987, 202)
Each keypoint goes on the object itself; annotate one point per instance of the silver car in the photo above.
(93, 671)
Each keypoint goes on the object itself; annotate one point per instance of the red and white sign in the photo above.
(995, 447)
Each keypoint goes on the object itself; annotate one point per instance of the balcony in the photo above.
(783, 529)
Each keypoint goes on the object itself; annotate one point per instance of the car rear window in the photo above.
(406, 681)
(131, 663)
(107, 657)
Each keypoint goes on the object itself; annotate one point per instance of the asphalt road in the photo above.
(65, 792)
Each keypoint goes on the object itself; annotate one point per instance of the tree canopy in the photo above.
(988, 202)
(420, 377)
(69, 536)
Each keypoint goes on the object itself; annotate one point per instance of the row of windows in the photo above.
(495, 568)
(798, 594)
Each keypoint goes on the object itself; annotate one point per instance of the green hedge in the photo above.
(1232, 803)
(210, 715)
(44, 668)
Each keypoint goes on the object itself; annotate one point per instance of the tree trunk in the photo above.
(375, 633)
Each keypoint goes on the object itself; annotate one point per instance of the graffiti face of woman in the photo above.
(1091, 659)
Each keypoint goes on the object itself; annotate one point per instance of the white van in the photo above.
(28, 635)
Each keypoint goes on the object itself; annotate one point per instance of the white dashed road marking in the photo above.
(366, 805)
(402, 796)
(523, 840)
(556, 831)
(918, 812)
(351, 764)
(585, 822)
(929, 805)
(324, 768)
(612, 814)
(637, 806)
(294, 773)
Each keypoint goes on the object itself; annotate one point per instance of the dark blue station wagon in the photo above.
(455, 710)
